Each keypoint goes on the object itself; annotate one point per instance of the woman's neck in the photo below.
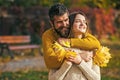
(77, 35)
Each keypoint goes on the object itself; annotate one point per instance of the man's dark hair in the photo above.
(57, 9)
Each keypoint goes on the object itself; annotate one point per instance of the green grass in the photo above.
(35, 75)
(112, 71)
(108, 78)
(31, 75)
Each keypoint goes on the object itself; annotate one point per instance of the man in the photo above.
(59, 19)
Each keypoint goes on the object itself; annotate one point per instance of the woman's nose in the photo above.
(81, 24)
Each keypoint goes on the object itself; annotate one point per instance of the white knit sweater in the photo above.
(69, 71)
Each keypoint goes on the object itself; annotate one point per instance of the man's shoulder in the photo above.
(48, 32)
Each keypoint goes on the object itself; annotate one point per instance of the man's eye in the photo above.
(66, 20)
(59, 22)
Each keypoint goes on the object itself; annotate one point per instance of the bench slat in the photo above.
(6, 42)
(14, 39)
(23, 47)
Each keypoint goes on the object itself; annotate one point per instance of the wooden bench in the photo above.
(16, 43)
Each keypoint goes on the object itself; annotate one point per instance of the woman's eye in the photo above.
(77, 21)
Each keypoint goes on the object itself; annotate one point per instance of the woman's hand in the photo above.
(76, 60)
(86, 55)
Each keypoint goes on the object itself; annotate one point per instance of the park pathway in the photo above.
(26, 64)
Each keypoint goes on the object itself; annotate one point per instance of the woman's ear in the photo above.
(88, 29)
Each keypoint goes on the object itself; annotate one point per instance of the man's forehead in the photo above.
(61, 17)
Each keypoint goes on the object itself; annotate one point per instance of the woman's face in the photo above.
(79, 25)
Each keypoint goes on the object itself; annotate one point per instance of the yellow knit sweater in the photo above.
(51, 57)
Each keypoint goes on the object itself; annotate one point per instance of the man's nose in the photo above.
(64, 23)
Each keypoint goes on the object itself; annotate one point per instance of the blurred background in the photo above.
(30, 17)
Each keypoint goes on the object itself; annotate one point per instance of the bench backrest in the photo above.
(14, 39)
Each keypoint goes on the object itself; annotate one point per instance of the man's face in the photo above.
(61, 25)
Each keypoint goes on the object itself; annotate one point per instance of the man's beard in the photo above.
(63, 34)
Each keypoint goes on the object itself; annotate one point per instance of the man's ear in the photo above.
(51, 23)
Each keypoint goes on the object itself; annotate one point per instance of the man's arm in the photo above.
(53, 57)
(87, 43)
(50, 57)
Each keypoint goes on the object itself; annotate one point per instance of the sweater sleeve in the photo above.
(59, 74)
(91, 73)
(53, 58)
(50, 57)
(89, 42)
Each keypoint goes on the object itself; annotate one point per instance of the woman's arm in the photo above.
(59, 74)
(90, 73)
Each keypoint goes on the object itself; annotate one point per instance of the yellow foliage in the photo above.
(61, 53)
(66, 43)
(70, 53)
(102, 57)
